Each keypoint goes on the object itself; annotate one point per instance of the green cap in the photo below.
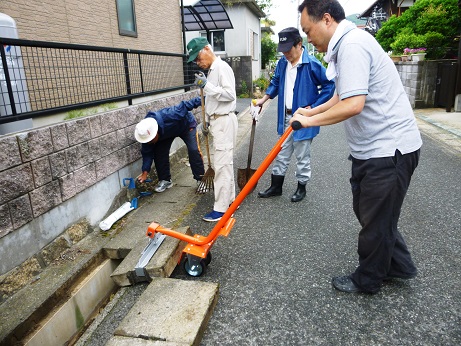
(195, 46)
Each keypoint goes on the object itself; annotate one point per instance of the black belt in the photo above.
(215, 116)
(287, 111)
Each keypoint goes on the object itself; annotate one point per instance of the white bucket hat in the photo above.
(146, 130)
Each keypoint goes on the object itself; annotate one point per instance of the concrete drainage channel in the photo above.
(56, 309)
(86, 297)
(154, 308)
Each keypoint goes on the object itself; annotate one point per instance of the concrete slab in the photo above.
(167, 209)
(171, 311)
(161, 264)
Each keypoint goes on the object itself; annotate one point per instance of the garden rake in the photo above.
(207, 182)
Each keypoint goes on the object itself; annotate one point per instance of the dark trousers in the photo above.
(162, 155)
(379, 187)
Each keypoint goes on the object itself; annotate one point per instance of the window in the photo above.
(126, 18)
(217, 40)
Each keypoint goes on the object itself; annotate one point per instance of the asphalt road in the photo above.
(275, 268)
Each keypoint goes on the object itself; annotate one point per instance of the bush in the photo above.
(407, 39)
(262, 83)
(319, 56)
(244, 93)
(432, 24)
(388, 32)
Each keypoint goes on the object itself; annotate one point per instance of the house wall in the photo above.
(246, 23)
(54, 176)
(95, 23)
(237, 42)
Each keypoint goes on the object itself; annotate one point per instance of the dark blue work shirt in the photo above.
(172, 122)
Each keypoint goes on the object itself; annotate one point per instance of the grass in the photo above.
(78, 113)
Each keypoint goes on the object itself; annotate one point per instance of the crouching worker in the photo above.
(157, 131)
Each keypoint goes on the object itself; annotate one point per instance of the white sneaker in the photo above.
(163, 185)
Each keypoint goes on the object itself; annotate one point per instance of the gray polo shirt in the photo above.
(387, 122)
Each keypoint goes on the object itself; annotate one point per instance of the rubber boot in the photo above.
(276, 187)
(299, 194)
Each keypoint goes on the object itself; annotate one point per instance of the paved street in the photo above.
(275, 267)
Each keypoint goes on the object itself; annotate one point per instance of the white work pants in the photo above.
(224, 132)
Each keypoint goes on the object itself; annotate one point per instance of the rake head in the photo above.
(207, 182)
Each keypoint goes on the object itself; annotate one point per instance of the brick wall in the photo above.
(42, 168)
(95, 23)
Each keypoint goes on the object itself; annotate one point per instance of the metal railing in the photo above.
(40, 78)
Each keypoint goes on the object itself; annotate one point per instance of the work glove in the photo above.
(200, 79)
(255, 110)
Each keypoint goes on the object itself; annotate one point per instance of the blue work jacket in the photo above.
(172, 122)
(312, 88)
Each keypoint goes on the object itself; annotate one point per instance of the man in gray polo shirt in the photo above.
(383, 137)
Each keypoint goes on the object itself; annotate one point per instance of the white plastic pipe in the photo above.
(115, 216)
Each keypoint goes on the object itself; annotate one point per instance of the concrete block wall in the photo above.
(53, 176)
(419, 81)
(242, 67)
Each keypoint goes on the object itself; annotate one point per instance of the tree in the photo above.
(264, 4)
(268, 50)
(432, 24)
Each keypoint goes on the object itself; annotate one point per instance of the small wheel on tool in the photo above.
(208, 258)
(196, 269)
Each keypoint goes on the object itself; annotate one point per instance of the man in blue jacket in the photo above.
(299, 81)
(157, 131)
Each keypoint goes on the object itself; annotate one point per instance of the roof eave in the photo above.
(251, 4)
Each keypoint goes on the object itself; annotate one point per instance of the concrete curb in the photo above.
(445, 127)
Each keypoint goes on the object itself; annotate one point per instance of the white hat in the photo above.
(146, 130)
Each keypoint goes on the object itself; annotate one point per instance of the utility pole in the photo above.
(458, 75)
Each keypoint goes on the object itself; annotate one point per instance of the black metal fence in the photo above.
(40, 78)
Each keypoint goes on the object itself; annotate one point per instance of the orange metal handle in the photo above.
(154, 227)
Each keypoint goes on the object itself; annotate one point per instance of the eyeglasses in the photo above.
(197, 58)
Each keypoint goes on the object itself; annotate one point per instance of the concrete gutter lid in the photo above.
(170, 310)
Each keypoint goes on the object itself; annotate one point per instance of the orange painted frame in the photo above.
(199, 245)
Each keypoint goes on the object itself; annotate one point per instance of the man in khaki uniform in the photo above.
(220, 102)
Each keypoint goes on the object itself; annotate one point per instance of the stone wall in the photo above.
(53, 176)
(419, 79)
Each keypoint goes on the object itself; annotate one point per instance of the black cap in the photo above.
(287, 38)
